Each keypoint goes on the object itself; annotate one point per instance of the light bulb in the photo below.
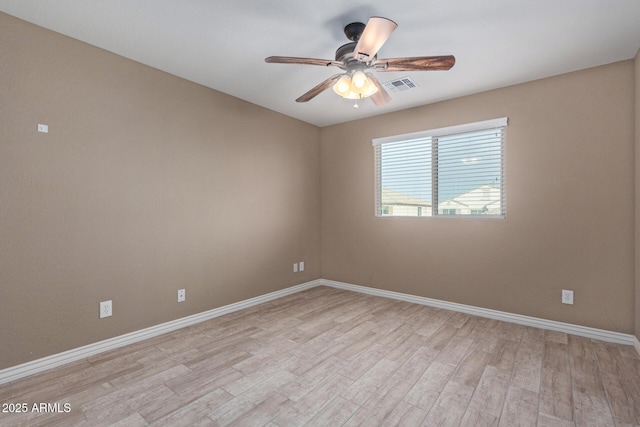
(369, 89)
(342, 86)
(358, 86)
(359, 79)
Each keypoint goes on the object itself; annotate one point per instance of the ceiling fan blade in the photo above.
(419, 63)
(373, 37)
(306, 61)
(381, 97)
(319, 88)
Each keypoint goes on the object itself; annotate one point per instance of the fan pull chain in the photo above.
(355, 102)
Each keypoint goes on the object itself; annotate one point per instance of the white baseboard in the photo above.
(30, 368)
(583, 331)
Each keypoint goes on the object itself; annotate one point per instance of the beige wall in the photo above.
(570, 141)
(637, 190)
(145, 184)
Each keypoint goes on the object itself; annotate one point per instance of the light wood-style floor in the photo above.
(327, 357)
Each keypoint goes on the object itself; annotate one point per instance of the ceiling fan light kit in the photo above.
(357, 86)
(359, 57)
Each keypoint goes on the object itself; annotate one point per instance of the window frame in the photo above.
(434, 134)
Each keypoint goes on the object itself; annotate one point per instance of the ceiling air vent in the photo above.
(400, 85)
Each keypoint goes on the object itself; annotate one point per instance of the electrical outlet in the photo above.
(301, 264)
(106, 309)
(567, 297)
(181, 295)
(295, 267)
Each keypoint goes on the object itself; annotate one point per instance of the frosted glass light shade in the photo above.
(342, 86)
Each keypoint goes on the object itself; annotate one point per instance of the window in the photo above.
(458, 170)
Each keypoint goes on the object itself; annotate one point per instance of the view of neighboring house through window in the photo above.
(458, 170)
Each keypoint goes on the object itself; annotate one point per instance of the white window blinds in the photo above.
(457, 170)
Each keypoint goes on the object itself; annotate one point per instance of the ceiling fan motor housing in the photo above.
(351, 64)
(354, 30)
(346, 50)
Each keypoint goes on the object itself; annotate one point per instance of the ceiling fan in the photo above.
(359, 58)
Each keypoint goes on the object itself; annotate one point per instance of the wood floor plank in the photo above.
(545, 420)
(261, 413)
(359, 345)
(632, 380)
(470, 369)
(441, 337)
(629, 352)
(133, 420)
(451, 405)
(556, 397)
(380, 405)
(510, 331)
(504, 354)
(121, 403)
(367, 385)
(490, 394)
(245, 402)
(427, 326)
(196, 410)
(310, 379)
(458, 319)
(416, 364)
(591, 411)
(621, 398)
(401, 351)
(329, 357)
(610, 360)
(335, 413)
(356, 367)
(474, 417)
(203, 381)
(257, 375)
(520, 408)
(585, 377)
(427, 389)
(405, 414)
(472, 327)
(527, 368)
(305, 408)
(455, 350)
(36, 387)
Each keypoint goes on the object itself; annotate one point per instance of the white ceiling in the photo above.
(222, 43)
